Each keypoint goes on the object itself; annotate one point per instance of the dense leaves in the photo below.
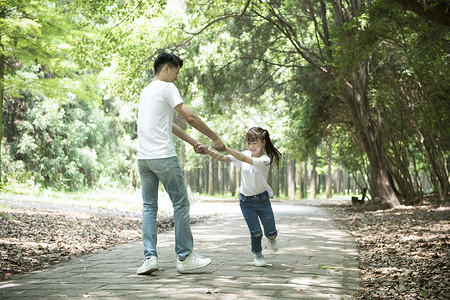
(70, 144)
(364, 80)
(326, 60)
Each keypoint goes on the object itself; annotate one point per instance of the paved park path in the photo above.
(316, 260)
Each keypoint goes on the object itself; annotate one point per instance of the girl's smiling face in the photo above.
(256, 147)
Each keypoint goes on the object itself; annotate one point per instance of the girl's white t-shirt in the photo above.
(254, 177)
(155, 119)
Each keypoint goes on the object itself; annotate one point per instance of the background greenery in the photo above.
(359, 88)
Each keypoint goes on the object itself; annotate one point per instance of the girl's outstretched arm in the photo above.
(218, 156)
(240, 156)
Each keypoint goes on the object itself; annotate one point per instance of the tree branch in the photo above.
(224, 17)
(126, 18)
(288, 31)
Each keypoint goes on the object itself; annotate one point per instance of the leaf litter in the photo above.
(403, 253)
(37, 235)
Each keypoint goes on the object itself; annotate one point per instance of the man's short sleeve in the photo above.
(172, 95)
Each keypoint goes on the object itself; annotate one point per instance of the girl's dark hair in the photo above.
(257, 133)
(167, 58)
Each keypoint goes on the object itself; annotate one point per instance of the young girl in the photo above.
(254, 190)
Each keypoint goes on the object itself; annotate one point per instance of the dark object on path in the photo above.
(356, 201)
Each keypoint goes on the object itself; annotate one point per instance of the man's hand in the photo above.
(219, 145)
(200, 148)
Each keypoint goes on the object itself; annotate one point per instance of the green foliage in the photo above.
(65, 145)
(56, 134)
(74, 71)
(36, 40)
(103, 11)
(130, 44)
(308, 55)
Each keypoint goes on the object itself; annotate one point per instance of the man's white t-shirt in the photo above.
(254, 177)
(155, 119)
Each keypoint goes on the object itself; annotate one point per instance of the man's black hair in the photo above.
(167, 58)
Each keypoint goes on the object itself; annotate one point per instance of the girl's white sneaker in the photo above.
(273, 244)
(259, 260)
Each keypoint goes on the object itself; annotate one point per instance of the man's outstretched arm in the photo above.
(198, 124)
(187, 138)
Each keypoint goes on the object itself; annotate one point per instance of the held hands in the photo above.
(200, 148)
(219, 145)
(203, 149)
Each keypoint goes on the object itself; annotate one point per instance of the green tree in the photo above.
(275, 44)
(55, 50)
(35, 39)
(408, 87)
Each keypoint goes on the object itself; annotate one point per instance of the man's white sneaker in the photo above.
(149, 266)
(191, 262)
(273, 244)
(259, 260)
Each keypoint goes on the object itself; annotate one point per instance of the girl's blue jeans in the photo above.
(256, 208)
(168, 171)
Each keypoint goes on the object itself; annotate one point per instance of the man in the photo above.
(158, 161)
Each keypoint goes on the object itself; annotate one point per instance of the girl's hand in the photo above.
(200, 148)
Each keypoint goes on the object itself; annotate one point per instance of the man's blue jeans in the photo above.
(168, 171)
(255, 208)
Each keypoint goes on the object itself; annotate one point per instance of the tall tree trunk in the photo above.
(340, 181)
(336, 182)
(282, 176)
(200, 180)
(291, 177)
(211, 176)
(285, 177)
(328, 182)
(353, 185)
(438, 164)
(305, 179)
(2, 90)
(187, 178)
(232, 177)
(348, 182)
(356, 96)
(275, 180)
(220, 176)
(313, 176)
(297, 176)
(320, 184)
(226, 178)
(366, 133)
(329, 177)
(301, 180)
